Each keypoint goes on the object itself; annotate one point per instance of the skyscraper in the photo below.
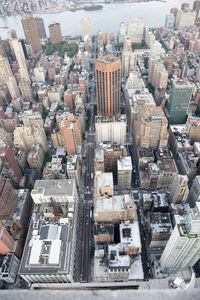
(177, 107)
(31, 32)
(2, 50)
(55, 33)
(40, 26)
(86, 29)
(108, 85)
(10, 164)
(183, 248)
(18, 50)
(169, 22)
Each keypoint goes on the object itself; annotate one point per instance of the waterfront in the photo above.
(107, 19)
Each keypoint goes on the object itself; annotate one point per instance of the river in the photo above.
(107, 19)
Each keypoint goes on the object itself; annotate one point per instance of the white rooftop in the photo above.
(130, 234)
(124, 163)
(115, 203)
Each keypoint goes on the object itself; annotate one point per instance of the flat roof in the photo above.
(63, 187)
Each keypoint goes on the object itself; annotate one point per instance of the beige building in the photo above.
(124, 172)
(74, 170)
(135, 30)
(185, 18)
(129, 60)
(55, 33)
(31, 33)
(104, 184)
(111, 129)
(31, 118)
(157, 75)
(13, 87)
(5, 70)
(25, 89)
(25, 136)
(179, 189)
(86, 30)
(151, 128)
(115, 209)
(35, 156)
(19, 54)
(5, 138)
(149, 37)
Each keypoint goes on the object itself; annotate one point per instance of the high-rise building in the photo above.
(124, 172)
(122, 29)
(185, 18)
(169, 22)
(128, 62)
(177, 106)
(8, 198)
(55, 33)
(135, 30)
(25, 89)
(5, 69)
(108, 85)
(183, 247)
(194, 194)
(196, 7)
(13, 87)
(157, 75)
(19, 54)
(86, 29)
(5, 138)
(151, 128)
(10, 164)
(2, 50)
(31, 33)
(25, 137)
(40, 27)
(111, 130)
(6, 241)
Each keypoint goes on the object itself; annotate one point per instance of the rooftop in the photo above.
(63, 187)
(124, 163)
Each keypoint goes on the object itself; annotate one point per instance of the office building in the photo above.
(9, 162)
(111, 130)
(13, 88)
(169, 22)
(31, 33)
(124, 172)
(8, 198)
(177, 106)
(183, 248)
(55, 33)
(40, 26)
(108, 85)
